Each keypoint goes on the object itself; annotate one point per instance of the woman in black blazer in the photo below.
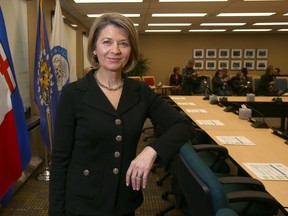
(94, 168)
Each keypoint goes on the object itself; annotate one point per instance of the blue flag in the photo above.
(15, 151)
(46, 94)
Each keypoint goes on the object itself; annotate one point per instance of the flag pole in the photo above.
(45, 174)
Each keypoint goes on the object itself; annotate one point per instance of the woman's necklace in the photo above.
(107, 87)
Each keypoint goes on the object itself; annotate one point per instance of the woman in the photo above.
(94, 167)
(267, 82)
(175, 79)
(187, 74)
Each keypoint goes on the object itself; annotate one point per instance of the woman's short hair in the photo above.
(175, 69)
(120, 21)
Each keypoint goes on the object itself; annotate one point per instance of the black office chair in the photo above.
(205, 194)
(214, 157)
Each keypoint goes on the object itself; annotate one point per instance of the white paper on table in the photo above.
(234, 140)
(178, 98)
(269, 171)
(210, 122)
(186, 103)
(196, 110)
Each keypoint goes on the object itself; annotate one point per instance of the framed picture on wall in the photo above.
(261, 64)
(210, 65)
(198, 53)
(236, 65)
(223, 53)
(236, 53)
(211, 53)
(223, 64)
(262, 53)
(198, 64)
(249, 64)
(249, 53)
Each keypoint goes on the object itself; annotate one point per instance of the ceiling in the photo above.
(148, 7)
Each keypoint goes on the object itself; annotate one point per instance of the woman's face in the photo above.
(113, 49)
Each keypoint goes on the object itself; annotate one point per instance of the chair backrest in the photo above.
(149, 79)
(281, 83)
(136, 78)
(200, 186)
(256, 83)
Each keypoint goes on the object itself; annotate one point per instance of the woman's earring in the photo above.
(96, 59)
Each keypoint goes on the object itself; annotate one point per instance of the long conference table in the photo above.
(268, 147)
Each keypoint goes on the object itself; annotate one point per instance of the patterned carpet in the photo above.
(32, 198)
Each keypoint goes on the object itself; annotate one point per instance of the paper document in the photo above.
(196, 110)
(269, 171)
(186, 103)
(234, 140)
(210, 122)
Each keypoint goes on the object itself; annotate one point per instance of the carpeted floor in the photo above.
(32, 198)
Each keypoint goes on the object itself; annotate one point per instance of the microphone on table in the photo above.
(257, 123)
(278, 99)
(207, 90)
(229, 106)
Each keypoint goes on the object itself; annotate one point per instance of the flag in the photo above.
(45, 86)
(15, 152)
(59, 50)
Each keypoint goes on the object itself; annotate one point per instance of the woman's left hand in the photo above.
(140, 167)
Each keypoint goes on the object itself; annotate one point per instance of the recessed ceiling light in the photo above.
(271, 23)
(127, 15)
(251, 30)
(286, 14)
(193, 0)
(282, 29)
(179, 14)
(107, 1)
(222, 24)
(163, 30)
(169, 24)
(207, 30)
(245, 14)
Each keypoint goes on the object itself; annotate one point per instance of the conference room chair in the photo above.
(206, 195)
(214, 157)
(150, 80)
(255, 82)
(281, 83)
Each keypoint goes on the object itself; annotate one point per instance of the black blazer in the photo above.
(94, 145)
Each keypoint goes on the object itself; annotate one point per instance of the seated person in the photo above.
(267, 82)
(198, 83)
(246, 82)
(225, 76)
(239, 85)
(176, 80)
(220, 87)
(276, 72)
(236, 84)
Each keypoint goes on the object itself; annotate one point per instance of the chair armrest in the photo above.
(241, 180)
(254, 196)
(211, 147)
